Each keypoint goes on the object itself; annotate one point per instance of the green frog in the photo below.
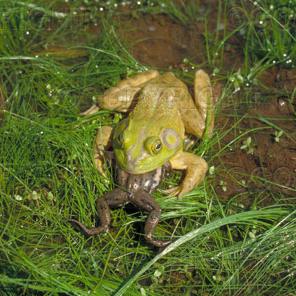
(150, 141)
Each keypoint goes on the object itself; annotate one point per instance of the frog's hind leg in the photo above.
(120, 97)
(113, 199)
(144, 201)
(204, 100)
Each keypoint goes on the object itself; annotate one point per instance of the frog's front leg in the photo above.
(113, 199)
(195, 170)
(101, 144)
(120, 97)
(145, 201)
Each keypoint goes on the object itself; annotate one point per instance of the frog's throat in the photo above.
(135, 166)
(135, 169)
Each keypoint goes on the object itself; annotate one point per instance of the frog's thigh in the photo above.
(101, 143)
(120, 97)
(145, 201)
(195, 167)
(113, 199)
(204, 100)
(193, 121)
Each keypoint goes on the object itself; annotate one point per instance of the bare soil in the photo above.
(158, 41)
(270, 169)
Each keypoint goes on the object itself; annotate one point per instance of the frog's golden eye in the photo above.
(153, 145)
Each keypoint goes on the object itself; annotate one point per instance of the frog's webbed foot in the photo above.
(174, 191)
(195, 169)
(101, 144)
(144, 201)
(113, 199)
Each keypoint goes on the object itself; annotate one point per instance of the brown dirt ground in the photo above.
(271, 168)
(158, 41)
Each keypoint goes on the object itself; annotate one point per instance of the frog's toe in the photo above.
(178, 191)
(88, 231)
(157, 243)
(100, 166)
(183, 190)
(174, 191)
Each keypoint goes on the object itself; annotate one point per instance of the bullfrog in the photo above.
(150, 141)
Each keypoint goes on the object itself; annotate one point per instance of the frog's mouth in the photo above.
(137, 165)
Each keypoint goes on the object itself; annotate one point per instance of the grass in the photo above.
(270, 31)
(47, 175)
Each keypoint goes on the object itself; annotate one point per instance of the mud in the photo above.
(279, 80)
(158, 41)
(270, 169)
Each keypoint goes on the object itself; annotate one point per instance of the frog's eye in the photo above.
(153, 145)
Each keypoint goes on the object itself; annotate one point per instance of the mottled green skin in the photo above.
(159, 112)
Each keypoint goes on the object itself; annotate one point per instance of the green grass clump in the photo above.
(270, 31)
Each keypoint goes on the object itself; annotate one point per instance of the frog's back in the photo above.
(164, 90)
(169, 96)
(160, 100)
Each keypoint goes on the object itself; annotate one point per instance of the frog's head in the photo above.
(142, 147)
